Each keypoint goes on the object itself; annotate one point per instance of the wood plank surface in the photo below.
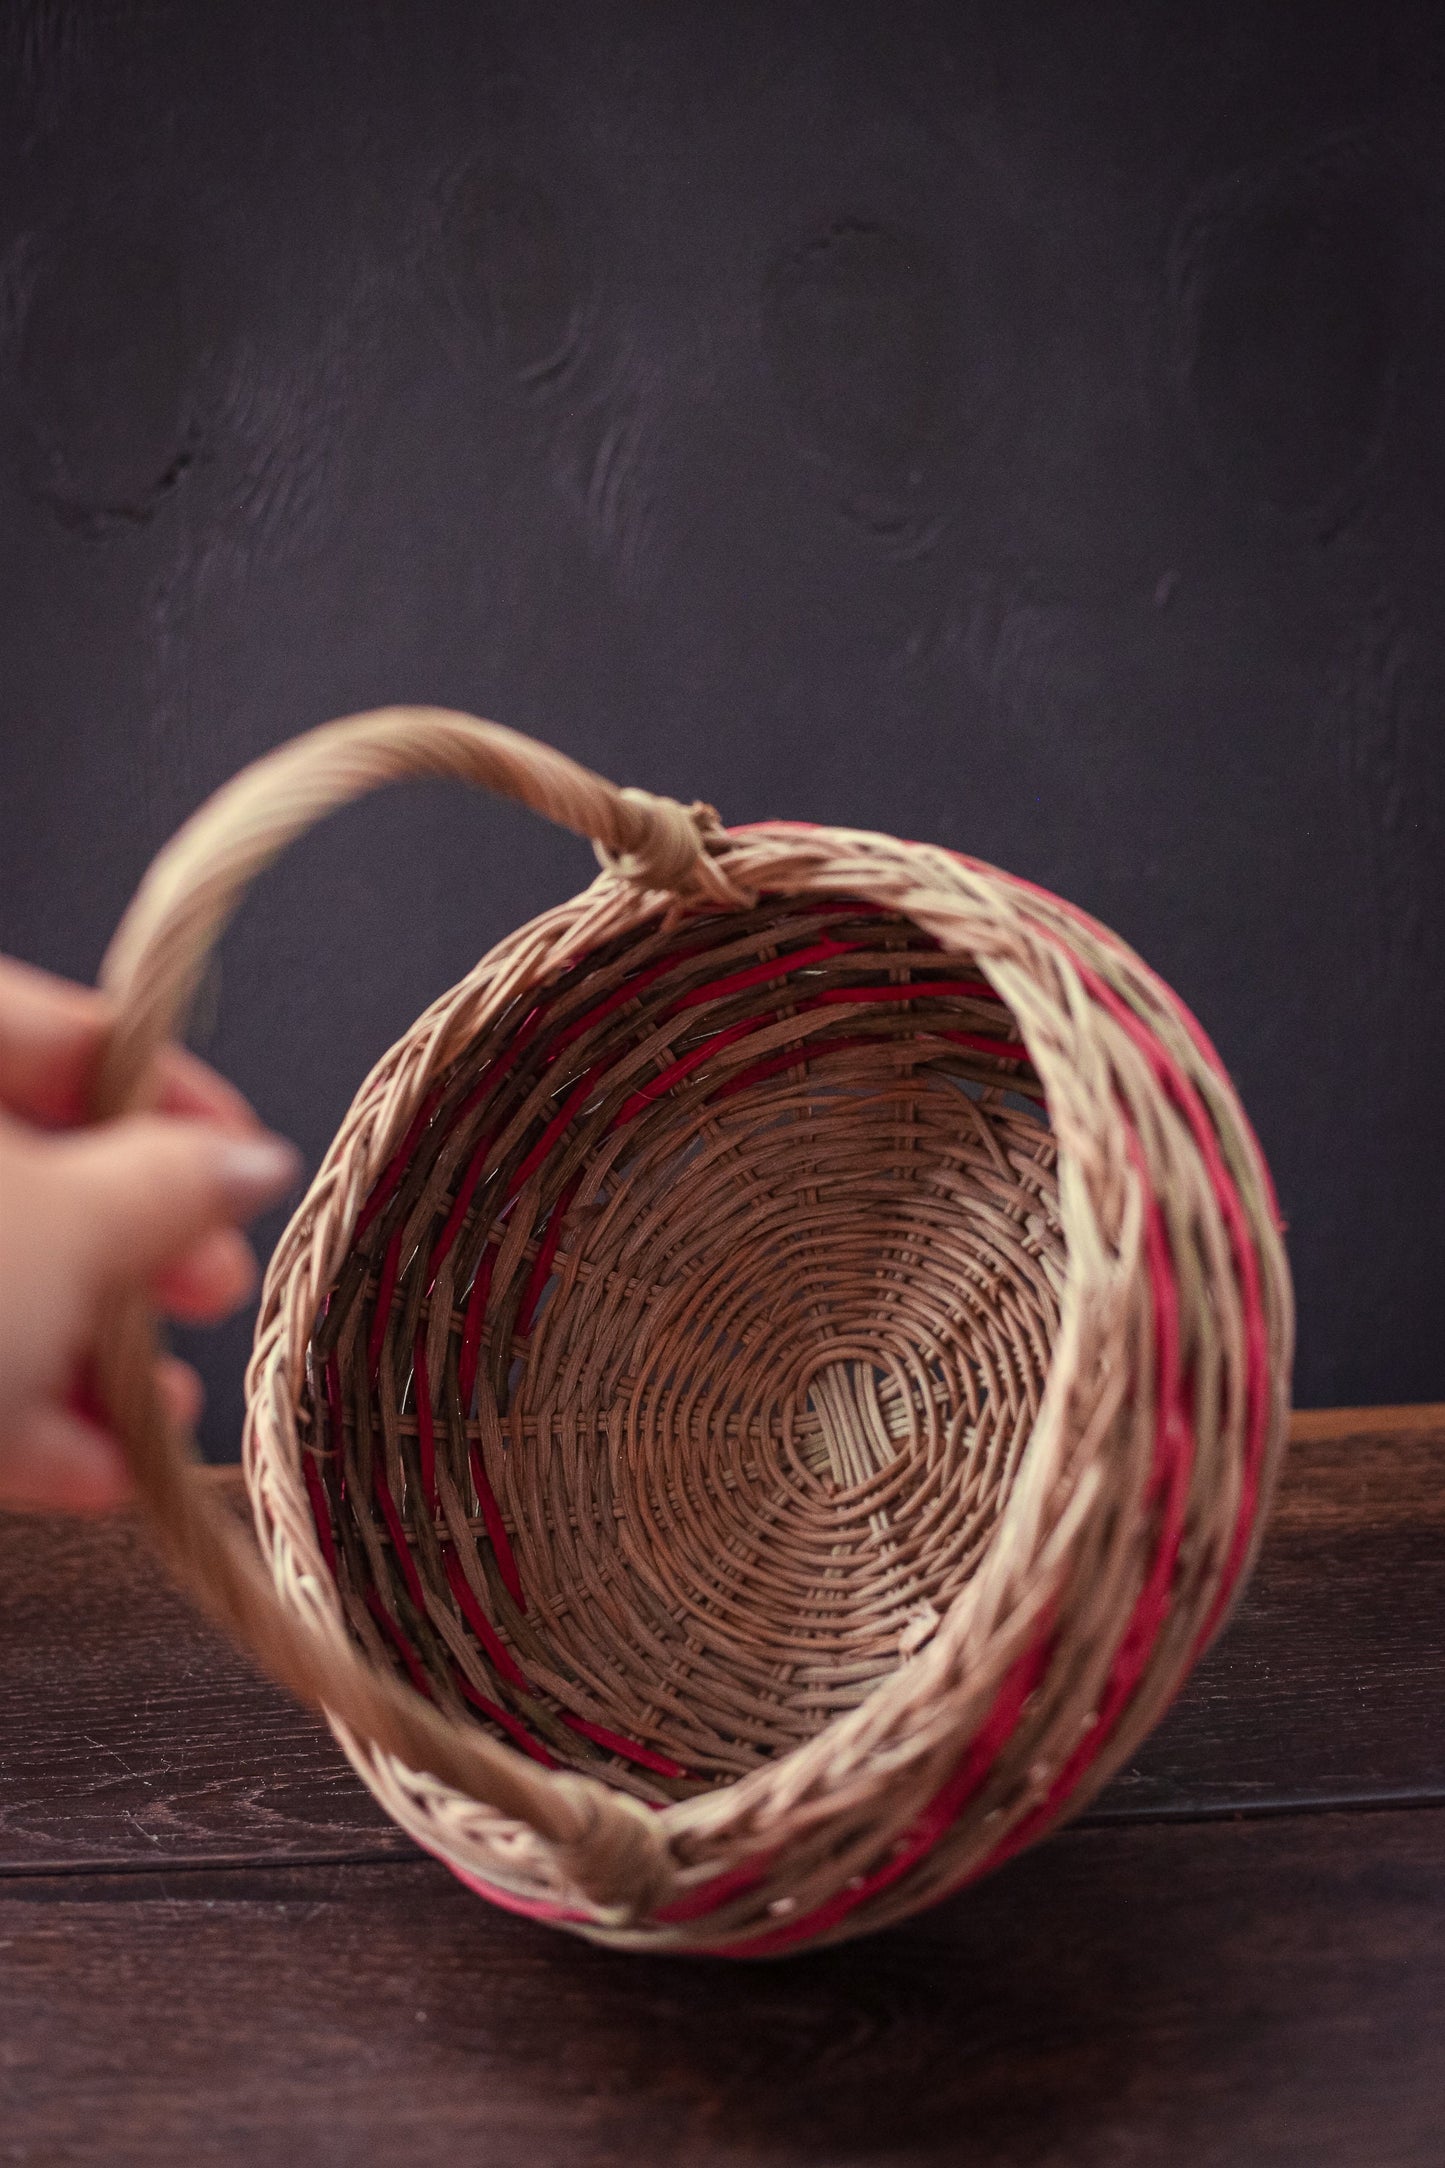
(1256, 1994)
(213, 1947)
(1328, 1687)
(130, 1736)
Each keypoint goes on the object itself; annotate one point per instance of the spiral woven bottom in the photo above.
(735, 1259)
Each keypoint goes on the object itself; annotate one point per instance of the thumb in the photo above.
(143, 1188)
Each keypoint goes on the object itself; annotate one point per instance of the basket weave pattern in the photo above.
(783, 1365)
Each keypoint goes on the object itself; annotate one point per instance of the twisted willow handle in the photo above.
(607, 1845)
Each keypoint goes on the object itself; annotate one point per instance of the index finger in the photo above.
(52, 1035)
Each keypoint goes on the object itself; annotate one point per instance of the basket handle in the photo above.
(607, 1845)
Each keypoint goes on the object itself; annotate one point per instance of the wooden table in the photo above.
(214, 1949)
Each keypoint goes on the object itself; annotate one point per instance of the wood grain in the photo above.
(130, 1737)
(1216, 1969)
(1258, 1992)
(130, 1734)
(1328, 1686)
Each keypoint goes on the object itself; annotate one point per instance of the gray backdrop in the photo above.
(1013, 425)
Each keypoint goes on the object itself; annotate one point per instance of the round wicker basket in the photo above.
(775, 1382)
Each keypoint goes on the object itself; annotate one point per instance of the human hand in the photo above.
(151, 1201)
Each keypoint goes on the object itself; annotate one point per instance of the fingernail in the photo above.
(256, 1171)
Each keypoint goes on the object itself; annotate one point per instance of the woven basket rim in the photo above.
(274, 1458)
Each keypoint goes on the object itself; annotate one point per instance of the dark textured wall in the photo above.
(1015, 425)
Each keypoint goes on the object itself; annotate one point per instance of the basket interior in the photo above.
(686, 1351)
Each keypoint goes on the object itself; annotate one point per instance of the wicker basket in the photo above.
(774, 1384)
